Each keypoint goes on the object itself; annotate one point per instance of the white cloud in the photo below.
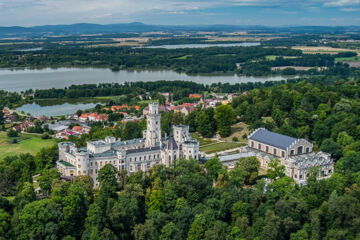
(350, 9)
(340, 3)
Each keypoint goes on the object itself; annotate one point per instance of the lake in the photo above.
(205, 45)
(20, 80)
(58, 107)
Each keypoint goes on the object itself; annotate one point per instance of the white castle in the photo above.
(132, 155)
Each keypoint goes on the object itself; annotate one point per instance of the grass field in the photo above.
(201, 140)
(349, 59)
(183, 57)
(28, 144)
(238, 130)
(273, 57)
(221, 146)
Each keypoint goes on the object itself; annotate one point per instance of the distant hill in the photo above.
(88, 28)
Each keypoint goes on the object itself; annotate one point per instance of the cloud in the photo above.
(340, 3)
(350, 9)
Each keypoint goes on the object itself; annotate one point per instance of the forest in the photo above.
(193, 200)
(212, 60)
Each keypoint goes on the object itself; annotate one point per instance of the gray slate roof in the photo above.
(171, 144)
(130, 151)
(273, 139)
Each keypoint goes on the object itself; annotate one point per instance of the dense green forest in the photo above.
(190, 61)
(191, 200)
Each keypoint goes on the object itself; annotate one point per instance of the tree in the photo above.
(206, 124)
(250, 167)
(75, 207)
(46, 178)
(146, 231)
(107, 177)
(275, 169)
(12, 133)
(218, 231)
(39, 220)
(272, 227)
(349, 162)
(225, 117)
(214, 167)
(131, 130)
(329, 146)
(170, 232)
(198, 228)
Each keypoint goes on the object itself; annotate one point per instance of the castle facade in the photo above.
(131, 155)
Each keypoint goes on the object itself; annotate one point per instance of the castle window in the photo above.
(79, 166)
(91, 172)
(252, 144)
(300, 177)
(139, 158)
(259, 146)
(329, 171)
(307, 150)
(131, 167)
(267, 148)
(134, 159)
(282, 154)
(295, 176)
(148, 165)
(274, 151)
(96, 171)
(291, 152)
(95, 163)
(91, 164)
(100, 164)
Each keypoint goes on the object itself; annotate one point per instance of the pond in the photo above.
(57, 107)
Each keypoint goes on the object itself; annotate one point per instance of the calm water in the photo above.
(204, 45)
(20, 80)
(66, 108)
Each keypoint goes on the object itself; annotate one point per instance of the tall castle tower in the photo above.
(153, 132)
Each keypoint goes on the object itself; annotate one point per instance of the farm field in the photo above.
(322, 50)
(27, 144)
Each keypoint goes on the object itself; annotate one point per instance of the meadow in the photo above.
(27, 143)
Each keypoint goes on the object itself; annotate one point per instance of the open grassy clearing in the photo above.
(29, 144)
(201, 140)
(273, 57)
(238, 130)
(184, 57)
(221, 146)
(349, 59)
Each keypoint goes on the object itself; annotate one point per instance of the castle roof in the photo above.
(171, 144)
(142, 150)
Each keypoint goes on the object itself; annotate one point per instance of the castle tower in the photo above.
(153, 132)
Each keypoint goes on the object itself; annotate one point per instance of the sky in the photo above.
(181, 12)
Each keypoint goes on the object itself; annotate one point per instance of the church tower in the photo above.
(153, 132)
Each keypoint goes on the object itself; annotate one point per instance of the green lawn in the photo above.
(183, 57)
(349, 59)
(27, 144)
(238, 130)
(218, 147)
(273, 57)
(201, 140)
